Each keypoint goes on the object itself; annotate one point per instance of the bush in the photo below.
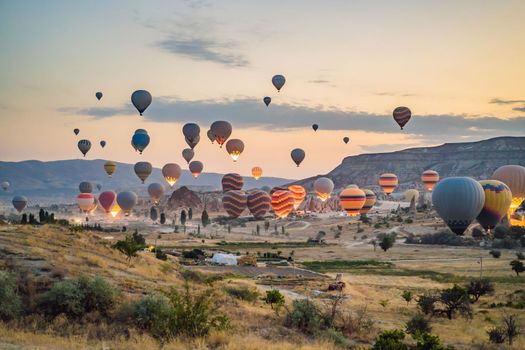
(520, 256)
(500, 232)
(335, 337)
(495, 254)
(478, 288)
(390, 340)
(496, 335)
(10, 303)
(275, 299)
(304, 316)
(426, 303)
(446, 237)
(418, 324)
(386, 241)
(243, 293)
(152, 313)
(159, 254)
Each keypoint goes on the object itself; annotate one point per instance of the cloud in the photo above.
(252, 113)
(389, 93)
(519, 109)
(499, 101)
(319, 81)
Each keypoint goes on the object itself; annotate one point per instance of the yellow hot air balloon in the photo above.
(110, 167)
(411, 194)
(369, 202)
(388, 182)
(115, 210)
(430, 178)
(257, 172)
(298, 194)
(497, 202)
(352, 200)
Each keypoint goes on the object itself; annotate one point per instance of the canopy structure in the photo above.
(224, 259)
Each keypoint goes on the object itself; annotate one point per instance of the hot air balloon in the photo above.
(369, 202)
(5, 185)
(498, 199)
(98, 95)
(514, 177)
(171, 173)
(222, 131)
(278, 81)
(102, 143)
(19, 202)
(196, 168)
(458, 201)
(126, 201)
(141, 131)
(84, 146)
(107, 200)
(110, 167)
(232, 181)
(156, 191)
(315, 127)
(76, 131)
(194, 142)
(323, 186)
(141, 99)
(211, 135)
(257, 172)
(388, 182)
(191, 131)
(282, 203)
(430, 178)
(188, 154)
(352, 200)
(298, 193)
(297, 155)
(140, 141)
(153, 214)
(411, 194)
(402, 116)
(143, 170)
(115, 210)
(99, 187)
(234, 147)
(267, 100)
(259, 203)
(85, 187)
(85, 202)
(346, 139)
(234, 202)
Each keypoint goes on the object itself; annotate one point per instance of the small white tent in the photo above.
(224, 259)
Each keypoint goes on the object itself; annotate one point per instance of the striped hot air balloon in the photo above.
(257, 172)
(369, 202)
(402, 115)
(231, 182)
(85, 201)
(282, 203)
(234, 202)
(388, 182)
(498, 198)
(298, 194)
(352, 200)
(259, 203)
(430, 178)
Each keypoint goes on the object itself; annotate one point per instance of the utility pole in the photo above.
(480, 267)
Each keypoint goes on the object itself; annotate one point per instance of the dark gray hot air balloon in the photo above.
(234, 147)
(85, 187)
(315, 127)
(155, 191)
(143, 170)
(99, 187)
(346, 139)
(297, 155)
(19, 202)
(278, 81)
(98, 95)
(211, 136)
(126, 201)
(84, 146)
(76, 131)
(102, 143)
(222, 131)
(196, 168)
(171, 173)
(141, 99)
(188, 154)
(191, 131)
(192, 143)
(267, 100)
(5, 185)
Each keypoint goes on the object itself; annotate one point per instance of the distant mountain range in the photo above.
(57, 181)
(474, 159)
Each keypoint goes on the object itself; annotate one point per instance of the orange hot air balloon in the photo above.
(352, 200)
(369, 202)
(257, 172)
(282, 203)
(298, 193)
(430, 178)
(388, 182)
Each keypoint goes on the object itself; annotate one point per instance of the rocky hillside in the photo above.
(475, 159)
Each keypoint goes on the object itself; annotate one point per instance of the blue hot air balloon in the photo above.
(140, 142)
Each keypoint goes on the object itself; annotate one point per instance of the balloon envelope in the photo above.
(282, 203)
(278, 81)
(5, 185)
(98, 95)
(498, 199)
(315, 127)
(191, 131)
(235, 147)
(352, 200)
(85, 187)
(346, 139)
(155, 191)
(259, 203)
(76, 131)
(110, 167)
(188, 154)
(232, 181)
(107, 200)
(126, 201)
(19, 202)
(323, 186)
(211, 135)
(196, 168)
(234, 202)
(140, 141)
(411, 194)
(430, 178)
(171, 173)
(257, 172)
(369, 202)
(402, 115)
(143, 170)
(102, 143)
(222, 131)
(85, 201)
(297, 155)
(267, 100)
(84, 146)
(298, 193)
(141, 99)
(388, 182)
(514, 177)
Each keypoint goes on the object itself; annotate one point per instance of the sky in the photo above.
(458, 65)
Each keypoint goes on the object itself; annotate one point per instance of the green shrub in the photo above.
(390, 340)
(335, 337)
(152, 313)
(10, 303)
(243, 293)
(159, 254)
(275, 299)
(418, 324)
(495, 254)
(496, 335)
(304, 316)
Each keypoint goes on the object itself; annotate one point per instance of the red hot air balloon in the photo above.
(107, 200)
(282, 203)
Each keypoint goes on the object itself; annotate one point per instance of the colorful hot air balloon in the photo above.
(76, 131)
(323, 186)
(85, 202)
(5, 185)
(107, 200)
(126, 201)
(458, 201)
(259, 203)
(102, 143)
(352, 200)
(188, 154)
(140, 141)
(315, 127)
(110, 167)
(411, 194)
(98, 95)
(514, 177)
(346, 139)
(402, 116)
(282, 203)
(222, 131)
(234, 202)
(278, 81)
(430, 178)
(155, 191)
(257, 172)
(143, 170)
(141, 99)
(234, 147)
(232, 181)
(388, 182)
(171, 173)
(19, 202)
(297, 155)
(211, 136)
(498, 198)
(369, 202)
(196, 168)
(84, 146)
(298, 193)
(267, 100)
(85, 187)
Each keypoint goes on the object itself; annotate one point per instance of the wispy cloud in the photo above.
(500, 101)
(519, 109)
(319, 81)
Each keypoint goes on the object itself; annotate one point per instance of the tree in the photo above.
(129, 246)
(511, 328)
(198, 229)
(275, 299)
(495, 253)
(455, 300)
(258, 229)
(427, 303)
(418, 324)
(407, 295)
(41, 216)
(283, 231)
(386, 241)
(517, 266)
(162, 218)
(478, 288)
(477, 233)
(390, 340)
(266, 225)
(190, 214)
(24, 219)
(205, 219)
(183, 217)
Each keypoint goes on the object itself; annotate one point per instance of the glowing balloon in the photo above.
(98, 95)
(222, 131)
(278, 81)
(430, 178)
(155, 191)
(126, 201)
(141, 99)
(234, 202)
(388, 182)
(235, 147)
(297, 155)
(85, 202)
(402, 115)
(196, 168)
(107, 200)
(352, 200)
(298, 193)
(323, 186)
(369, 202)
(498, 199)
(110, 167)
(257, 172)
(171, 173)
(267, 100)
(282, 203)
(259, 203)
(232, 181)
(84, 146)
(19, 202)
(188, 154)
(143, 170)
